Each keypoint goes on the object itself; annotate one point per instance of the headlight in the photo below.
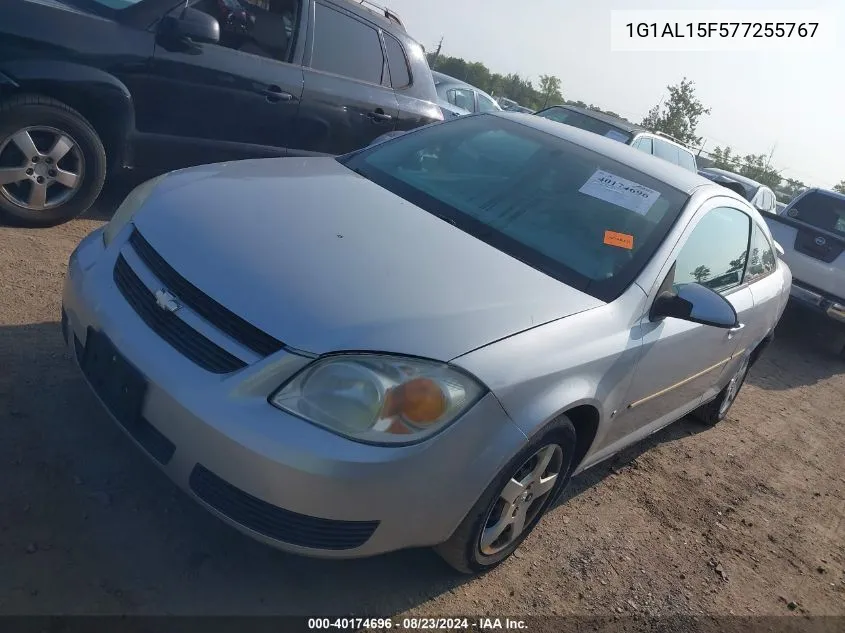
(379, 399)
(128, 207)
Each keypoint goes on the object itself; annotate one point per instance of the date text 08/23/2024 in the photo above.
(722, 29)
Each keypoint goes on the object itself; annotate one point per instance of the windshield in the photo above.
(821, 210)
(584, 122)
(572, 213)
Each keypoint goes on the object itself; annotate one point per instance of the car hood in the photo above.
(325, 260)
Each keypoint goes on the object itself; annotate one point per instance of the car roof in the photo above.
(441, 78)
(732, 176)
(669, 173)
(826, 192)
(622, 124)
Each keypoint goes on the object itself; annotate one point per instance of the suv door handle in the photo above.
(275, 94)
(379, 116)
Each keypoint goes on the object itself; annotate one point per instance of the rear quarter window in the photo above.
(666, 151)
(686, 160)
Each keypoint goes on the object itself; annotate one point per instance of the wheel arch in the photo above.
(102, 99)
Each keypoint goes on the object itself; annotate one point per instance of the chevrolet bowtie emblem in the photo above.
(167, 301)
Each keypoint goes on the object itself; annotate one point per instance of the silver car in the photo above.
(419, 343)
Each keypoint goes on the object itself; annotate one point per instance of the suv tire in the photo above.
(52, 162)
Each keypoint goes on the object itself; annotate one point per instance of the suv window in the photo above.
(485, 104)
(397, 62)
(643, 144)
(666, 151)
(821, 210)
(686, 160)
(461, 98)
(715, 253)
(259, 27)
(345, 46)
(761, 259)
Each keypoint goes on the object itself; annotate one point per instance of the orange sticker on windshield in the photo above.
(620, 240)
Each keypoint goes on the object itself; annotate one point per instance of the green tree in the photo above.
(794, 187)
(757, 167)
(701, 273)
(840, 187)
(725, 159)
(679, 115)
(550, 87)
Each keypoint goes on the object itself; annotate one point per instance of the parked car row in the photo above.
(427, 338)
(90, 86)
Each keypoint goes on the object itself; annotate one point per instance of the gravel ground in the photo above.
(745, 518)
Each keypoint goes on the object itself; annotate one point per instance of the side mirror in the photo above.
(779, 250)
(189, 27)
(696, 303)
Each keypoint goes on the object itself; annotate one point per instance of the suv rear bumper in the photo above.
(833, 307)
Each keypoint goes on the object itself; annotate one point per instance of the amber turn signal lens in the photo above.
(421, 401)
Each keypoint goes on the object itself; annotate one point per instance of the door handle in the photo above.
(379, 117)
(734, 330)
(275, 94)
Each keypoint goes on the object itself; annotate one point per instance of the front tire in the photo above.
(514, 502)
(717, 410)
(52, 162)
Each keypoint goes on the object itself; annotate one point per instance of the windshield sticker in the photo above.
(617, 136)
(619, 191)
(620, 240)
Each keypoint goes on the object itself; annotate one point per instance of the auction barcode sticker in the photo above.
(619, 191)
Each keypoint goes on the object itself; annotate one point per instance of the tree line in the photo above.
(678, 116)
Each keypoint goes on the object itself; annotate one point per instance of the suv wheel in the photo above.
(52, 163)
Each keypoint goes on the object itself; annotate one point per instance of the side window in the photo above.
(397, 62)
(716, 251)
(485, 104)
(266, 28)
(461, 98)
(644, 144)
(686, 160)
(666, 151)
(761, 256)
(345, 46)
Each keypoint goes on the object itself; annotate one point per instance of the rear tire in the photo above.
(470, 549)
(52, 162)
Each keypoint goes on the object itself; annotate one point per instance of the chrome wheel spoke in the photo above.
(66, 178)
(543, 459)
(492, 533)
(513, 489)
(25, 144)
(544, 486)
(38, 196)
(61, 147)
(518, 523)
(9, 175)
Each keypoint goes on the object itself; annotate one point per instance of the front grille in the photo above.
(274, 522)
(219, 316)
(171, 328)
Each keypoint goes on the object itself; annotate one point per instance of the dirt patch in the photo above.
(745, 518)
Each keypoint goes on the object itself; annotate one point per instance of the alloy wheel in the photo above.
(734, 386)
(41, 168)
(521, 500)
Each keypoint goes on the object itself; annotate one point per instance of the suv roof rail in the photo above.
(382, 10)
(670, 137)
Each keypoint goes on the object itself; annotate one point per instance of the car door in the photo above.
(347, 101)
(682, 362)
(239, 97)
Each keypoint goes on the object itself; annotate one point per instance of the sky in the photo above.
(792, 103)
